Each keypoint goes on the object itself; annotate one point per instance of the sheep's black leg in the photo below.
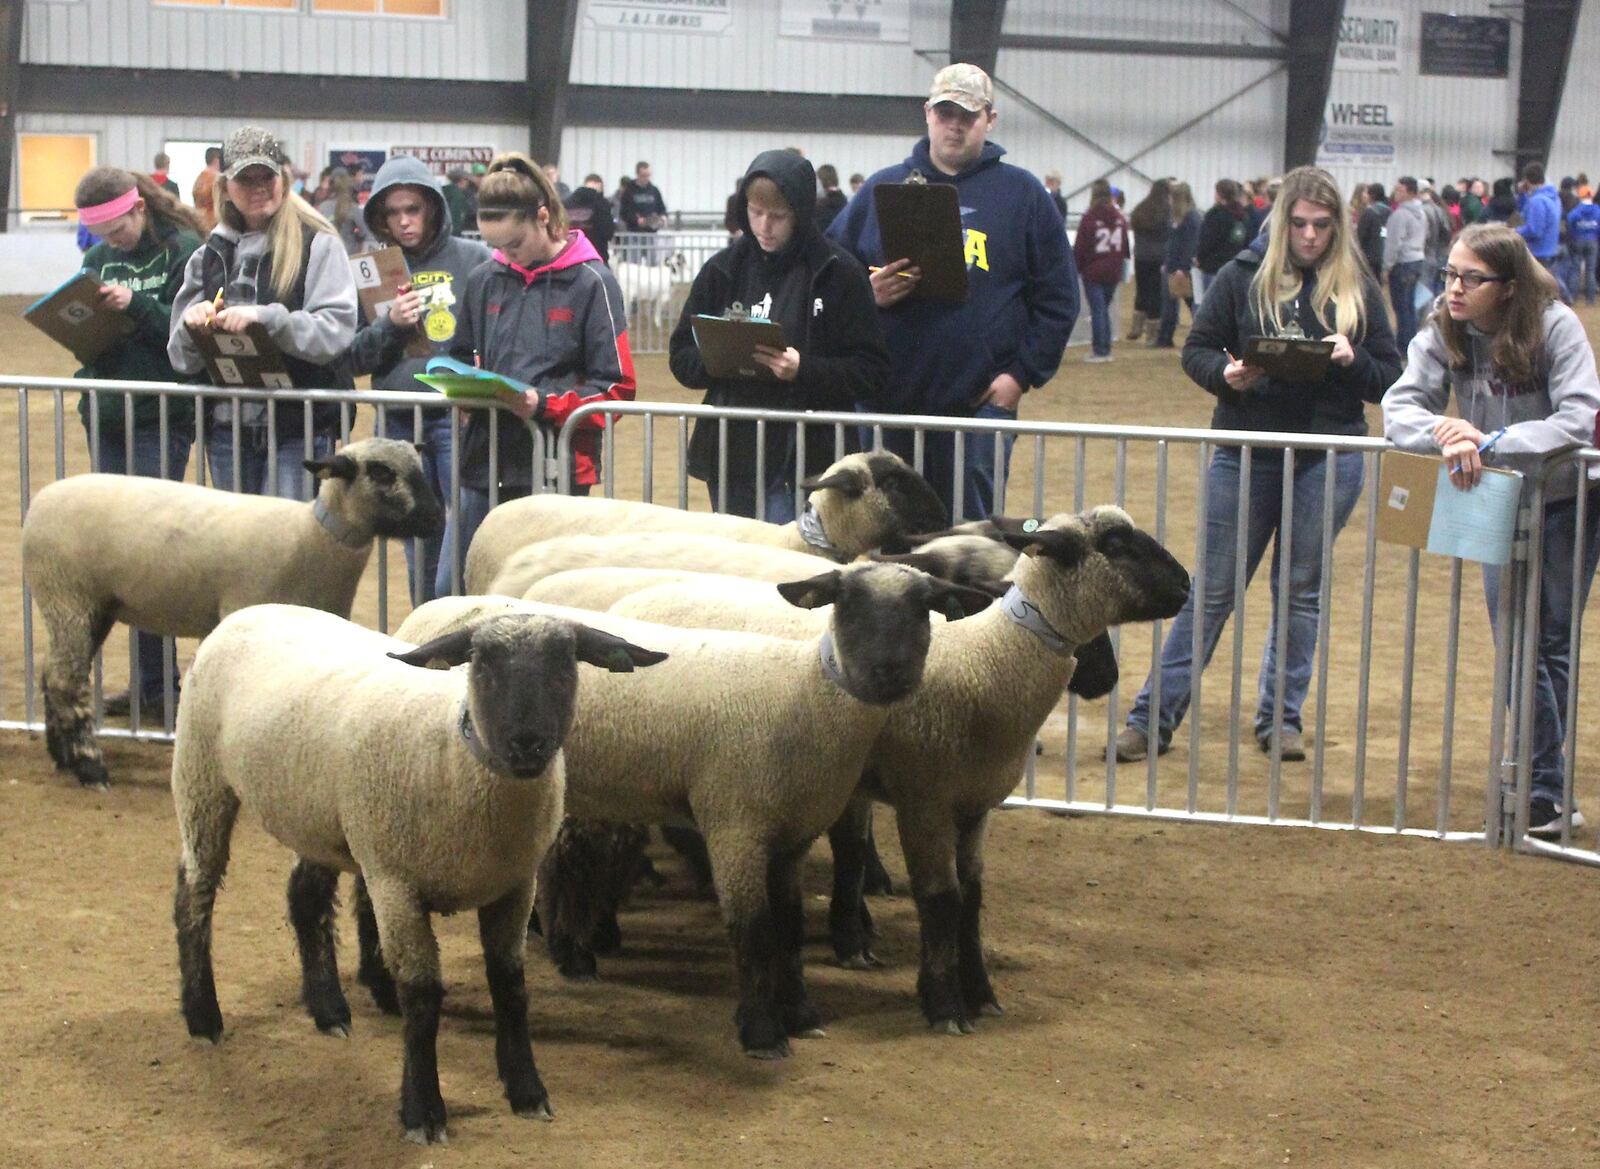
(977, 995)
(800, 1015)
(191, 914)
(372, 973)
(742, 870)
(929, 843)
(565, 905)
(69, 720)
(421, 1106)
(502, 927)
(848, 922)
(313, 890)
(206, 813)
(691, 846)
(876, 880)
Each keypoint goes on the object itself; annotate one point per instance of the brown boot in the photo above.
(1136, 329)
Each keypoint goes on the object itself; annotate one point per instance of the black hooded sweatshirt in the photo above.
(821, 296)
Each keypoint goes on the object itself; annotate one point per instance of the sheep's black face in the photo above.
(406, 505)
(1156, 584)
(524, 683)
(911, 499)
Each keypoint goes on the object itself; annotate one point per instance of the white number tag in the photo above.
(366, 272)
(235, 345)
(229, 371)
(76, 312)
(277, 381)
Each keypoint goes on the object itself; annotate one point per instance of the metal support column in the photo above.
(1548, 30)
(975, 32)
(1313, 34)
(552, 25)
(10, 77)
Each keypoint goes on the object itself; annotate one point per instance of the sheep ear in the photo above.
(425, 447)
(957, 601)
(846, 481)
(1096, 672)
(812, 593)
(613, 653)
(1066, 547)
(452, 649)
(334, 467)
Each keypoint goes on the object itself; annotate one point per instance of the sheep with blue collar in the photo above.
(441, 788)
(862, 502)
(174, 559)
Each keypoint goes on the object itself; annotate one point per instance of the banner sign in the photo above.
(1465, 46)
(1357, 134)
(441, 160)
(707, 17)
(1369, 41)
(367, 160)
(877, 21)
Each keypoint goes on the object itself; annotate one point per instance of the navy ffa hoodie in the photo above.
(1022, 289)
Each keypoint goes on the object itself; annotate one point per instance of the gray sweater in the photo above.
(1406, 233)
(1553, 412)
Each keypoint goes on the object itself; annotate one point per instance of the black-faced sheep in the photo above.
(442, 788)
(174, 559)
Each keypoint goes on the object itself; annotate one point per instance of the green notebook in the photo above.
(456, 379)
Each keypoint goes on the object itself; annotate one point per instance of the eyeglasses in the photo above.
(1471, 281)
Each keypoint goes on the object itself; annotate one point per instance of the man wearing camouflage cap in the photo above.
(977, 358)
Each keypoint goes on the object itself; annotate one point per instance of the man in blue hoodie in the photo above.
(1541, 221)
(407, 209)
(974, 359)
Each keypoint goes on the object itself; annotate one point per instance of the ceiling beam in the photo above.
(1144, 48)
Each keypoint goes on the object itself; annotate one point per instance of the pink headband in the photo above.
(110, 209)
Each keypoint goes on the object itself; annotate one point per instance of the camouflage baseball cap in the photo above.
(966, 85)
(251, 146)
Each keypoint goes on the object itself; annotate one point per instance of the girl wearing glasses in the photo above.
(1524, 379)
(1303, 278)
(546, 311)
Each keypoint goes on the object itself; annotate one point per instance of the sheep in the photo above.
(442, 789)
(861, 502)
(752, 740)
(953, 751)
(174, 559)
(685, 551)
(647, 288)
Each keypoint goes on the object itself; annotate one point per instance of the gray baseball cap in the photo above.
(251, 146)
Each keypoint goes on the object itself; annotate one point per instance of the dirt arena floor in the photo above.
(1178, 995)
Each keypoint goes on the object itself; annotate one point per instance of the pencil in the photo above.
(903, 275)
(217, 302)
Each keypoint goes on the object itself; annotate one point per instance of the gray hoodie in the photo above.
(1553, 412)
(438, 269)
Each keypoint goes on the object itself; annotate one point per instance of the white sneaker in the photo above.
(1544, 819)
(1097, 358)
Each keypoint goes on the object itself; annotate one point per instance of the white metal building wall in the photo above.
(752, 56)
(1576, 146)
(1208, 21)
(132, 141)
(480, 39)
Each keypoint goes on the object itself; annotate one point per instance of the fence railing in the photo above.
(1373, 704)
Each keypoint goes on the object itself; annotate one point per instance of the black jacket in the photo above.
(843, 358)
(1227, 319)
(1369, 234)
(1223, 231)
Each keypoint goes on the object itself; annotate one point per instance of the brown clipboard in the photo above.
(921, 221)
(73, 316)
(379, 277)
(727, 346)
(250, 359)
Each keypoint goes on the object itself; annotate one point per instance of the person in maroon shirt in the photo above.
(1101, 248)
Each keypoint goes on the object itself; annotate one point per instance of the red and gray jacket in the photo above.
(560, 328)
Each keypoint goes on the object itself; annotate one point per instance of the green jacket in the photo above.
(154, 271)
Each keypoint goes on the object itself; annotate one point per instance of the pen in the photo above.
(902, 275)
(1491, 440)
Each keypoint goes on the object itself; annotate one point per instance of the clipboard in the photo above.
(379, 277)
(250, 359)
(921, 221)
(458, 380)
(73, 316)
(1419, 507)
(727, 345)
(1289, 359)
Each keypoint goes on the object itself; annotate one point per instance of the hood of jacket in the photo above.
(795, 179)
(404, 170)
(920, 159)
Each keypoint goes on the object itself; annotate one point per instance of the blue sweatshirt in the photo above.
(1022, 289)
(1541, 222)
(1583, 222)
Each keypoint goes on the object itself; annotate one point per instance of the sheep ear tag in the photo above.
(613, 653)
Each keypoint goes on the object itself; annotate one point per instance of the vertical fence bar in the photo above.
(1408, 665)
(958, 478)
(648, 488)
(135, 672)
(1364, 685)
(1528, 678)
(1330, 478)
(722, 464)
(1197, 599)
(1080, 455)
(1038, 476)
(24, 495)
(761, 469)
(1574, 645)
(1241, 551)
(683, 462)
(59, 407)
(1119, 492)
(1280, 629)
(494, 457)
(1452, 647)
(454, 551)
(1150, 787)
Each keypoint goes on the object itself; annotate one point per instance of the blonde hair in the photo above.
(1340, 273)
(515, 182)
(1182, 201)
(1519, 341)
(285, 241)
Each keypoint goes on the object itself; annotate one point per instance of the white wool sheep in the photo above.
(861, 502)
(757, 741)
(955, 748)
(442, 788)
(528, 566)
(647, 288)
(174, 559)
(601, 587)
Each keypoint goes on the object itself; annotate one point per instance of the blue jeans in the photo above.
(1584, 254)
(1099, 298)
(938, 463)
(1402, 290)
(1556, 603)
(742, 495)
(147, 462)
(436, 460)
(294, 481)
(1169, 315)
(1305, 578)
